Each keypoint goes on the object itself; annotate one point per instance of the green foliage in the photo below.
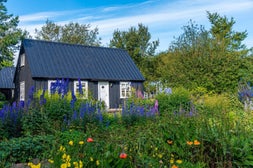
(179, 99)
(21, 150)
(9, 36)
(73, 33)
(137, 42)
(214, 59)
(209, 131)
(2, 100)
(56, 108)
(35, 122)
(2, 97)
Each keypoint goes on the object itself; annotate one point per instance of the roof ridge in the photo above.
(71, 44)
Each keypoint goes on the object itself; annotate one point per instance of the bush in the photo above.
(2, 100)
(179, 100)
(35, 122)
(21, 150)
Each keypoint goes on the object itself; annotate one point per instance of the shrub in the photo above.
(179, 99)
(21, 150)
(2, 100)
(35, 122)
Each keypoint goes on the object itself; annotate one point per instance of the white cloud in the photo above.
(159, 17)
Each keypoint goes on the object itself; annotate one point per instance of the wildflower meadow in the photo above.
(179, 129)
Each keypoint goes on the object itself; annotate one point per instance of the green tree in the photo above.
(214, 59)
(137, 42)
(74, 33)
(10, 35)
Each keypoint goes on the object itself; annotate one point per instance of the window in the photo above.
(81, 87)
(125, 89)
(22, 91)
(50, 82)
(58, 86)
(22, 60)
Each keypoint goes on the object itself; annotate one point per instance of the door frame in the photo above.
(106, 84)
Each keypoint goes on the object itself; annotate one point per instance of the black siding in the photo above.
(114, 94)
(22, 74)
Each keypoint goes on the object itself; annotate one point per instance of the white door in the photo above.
(103, 92)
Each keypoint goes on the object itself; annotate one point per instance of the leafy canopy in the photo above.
(136, 41)
(214, 59)
(74, 33)
(9, 36)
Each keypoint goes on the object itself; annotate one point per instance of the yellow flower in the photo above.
(64, 156)
(179, 161)
(97, 163)
(81, 142)
(80, 164)
(34, 165)
(64, 165)
(50, 161)
(62, 148)
(75, 165)
(196, 142)
(71, 143)
(171, 161)
(68, 158)
(91, 159)
(160, 155)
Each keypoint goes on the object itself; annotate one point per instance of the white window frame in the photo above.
(49, 85)
(22, 91)
(125, 90)
(84, 88)
(22, 60)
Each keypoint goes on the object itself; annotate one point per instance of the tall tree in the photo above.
(9, 36)
(137, 42)
(214, 59)
(74, 33)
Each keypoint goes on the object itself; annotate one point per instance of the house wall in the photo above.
(22, 74)
(114, 89)
(114, 94)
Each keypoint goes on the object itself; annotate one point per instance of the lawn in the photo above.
(181, 129)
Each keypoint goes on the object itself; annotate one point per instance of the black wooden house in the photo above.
(106, 73)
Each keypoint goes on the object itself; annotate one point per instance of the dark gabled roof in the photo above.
(6, 78)
(60, 60)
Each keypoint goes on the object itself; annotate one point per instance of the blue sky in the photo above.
(164, 18)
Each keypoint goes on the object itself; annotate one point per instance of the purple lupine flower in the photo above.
(31, 93)
(100, 116)
(53, 87)
(141, 110)
(21, 104)
(2, 114)
(73, 100)
(74, 115)
(80, 88)
(168, 91)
